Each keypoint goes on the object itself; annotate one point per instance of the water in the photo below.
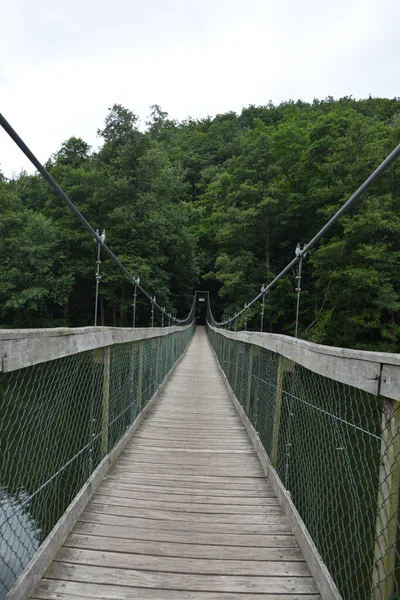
(20, 537)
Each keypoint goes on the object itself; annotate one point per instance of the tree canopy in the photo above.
(219, 204)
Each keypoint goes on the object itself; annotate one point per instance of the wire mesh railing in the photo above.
(336, 449)
(59, 419)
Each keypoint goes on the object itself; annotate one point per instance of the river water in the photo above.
(19, 539)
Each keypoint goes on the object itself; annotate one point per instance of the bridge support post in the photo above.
(249, 380)
(157, 361)
(140, 378)
(278, 410)
(387, 518)
(228, 362)
(222, 343)
(105, 410)
(163, 361)
(134, 353)
(236, 370)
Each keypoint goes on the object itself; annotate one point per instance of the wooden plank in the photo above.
(200, 428)
(195, 494)
(195, 470)
(193, 441)
(25, 347)
(186, 444)
(185, 449)
(209, 421)
(103, 514)
(162, 436)
(178, 549)
(208, 406)
(178, 506)
(193, 459)
(227, 483)
(192, 462)
(143, 440)
(190, 441)
(191, 483)
(168, 564)
(124, 491)
(193, 436)
(234, 464)
(176, 451)
(133, 463)
(179, 581)
(245, 540)
(53, 589)
(216, 420)
(274, 514)
(208, 416)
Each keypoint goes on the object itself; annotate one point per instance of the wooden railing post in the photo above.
(383, 577)
(140, 378)
(227, 357)
(249, 380)
(132, 391)
(278, 409)
(222, 344)
(105, 411)
(236, 367)
(228, 360)
(163, 361)
(157, 361)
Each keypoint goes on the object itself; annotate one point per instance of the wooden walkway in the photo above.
(186, 513)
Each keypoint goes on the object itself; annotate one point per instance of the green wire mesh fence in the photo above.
(336, 449)
(58, 420)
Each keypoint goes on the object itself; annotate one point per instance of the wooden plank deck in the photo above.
(186, 513)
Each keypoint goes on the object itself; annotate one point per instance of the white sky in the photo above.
(63, 64)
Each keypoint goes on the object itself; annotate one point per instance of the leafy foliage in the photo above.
(217, 204)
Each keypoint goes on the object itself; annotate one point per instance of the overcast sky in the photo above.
(63, 64)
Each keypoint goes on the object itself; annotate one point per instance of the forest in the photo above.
(215, 204)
